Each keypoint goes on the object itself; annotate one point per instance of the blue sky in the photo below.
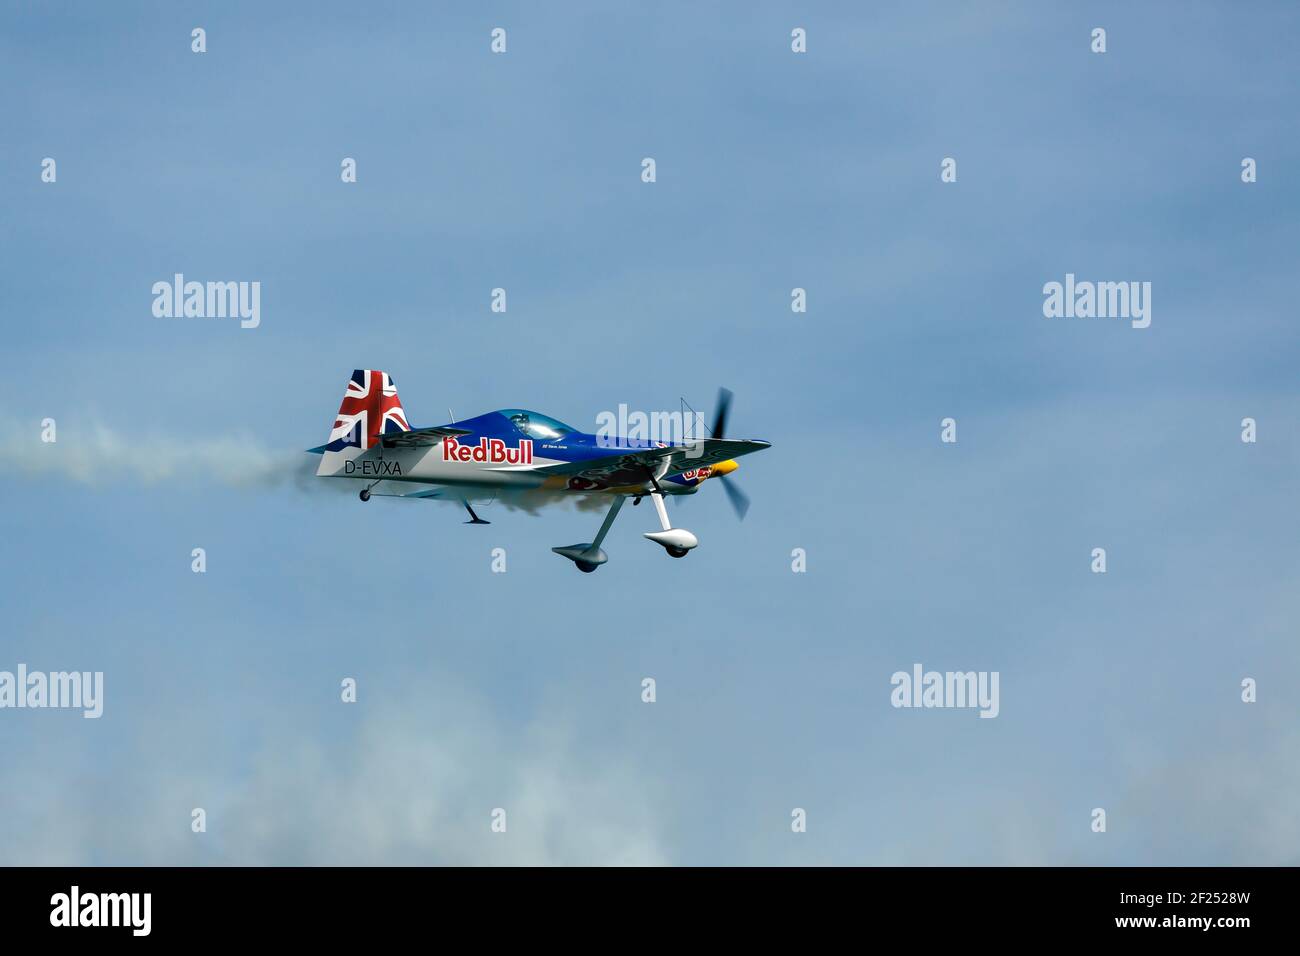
(522, 690)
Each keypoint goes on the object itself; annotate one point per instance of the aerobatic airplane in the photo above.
(514, 448)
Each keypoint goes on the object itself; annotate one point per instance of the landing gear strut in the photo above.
(678, 542)
(588, 557)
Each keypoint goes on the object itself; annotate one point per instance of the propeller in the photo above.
(739, 500)
(720, 416)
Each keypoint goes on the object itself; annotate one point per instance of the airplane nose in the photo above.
(726, 467)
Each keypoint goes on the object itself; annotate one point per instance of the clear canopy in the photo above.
(536, 425)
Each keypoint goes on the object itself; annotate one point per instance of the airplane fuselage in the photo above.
(514, 448)
(505, 461)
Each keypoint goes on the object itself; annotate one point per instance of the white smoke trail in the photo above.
(533, 500)
(96, 454)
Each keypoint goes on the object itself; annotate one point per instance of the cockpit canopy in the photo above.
(537, 426)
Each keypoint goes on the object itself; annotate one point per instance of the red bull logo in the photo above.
(491, 451)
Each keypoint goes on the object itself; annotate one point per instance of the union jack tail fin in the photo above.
(370, 409)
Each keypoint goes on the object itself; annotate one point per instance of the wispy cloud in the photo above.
(412, 784)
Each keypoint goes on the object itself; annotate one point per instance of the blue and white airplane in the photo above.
(514, 448)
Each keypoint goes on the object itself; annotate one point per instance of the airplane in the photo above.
(517, 449)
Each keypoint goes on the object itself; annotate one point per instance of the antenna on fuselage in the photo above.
(451, 416)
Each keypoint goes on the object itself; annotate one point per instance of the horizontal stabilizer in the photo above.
(405, 489)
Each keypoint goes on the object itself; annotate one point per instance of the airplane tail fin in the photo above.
(370, 408)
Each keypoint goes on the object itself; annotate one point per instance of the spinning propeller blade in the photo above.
(720, 416)
(739, 500)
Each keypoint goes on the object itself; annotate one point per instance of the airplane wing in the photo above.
(629, 467)
(417, 437)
